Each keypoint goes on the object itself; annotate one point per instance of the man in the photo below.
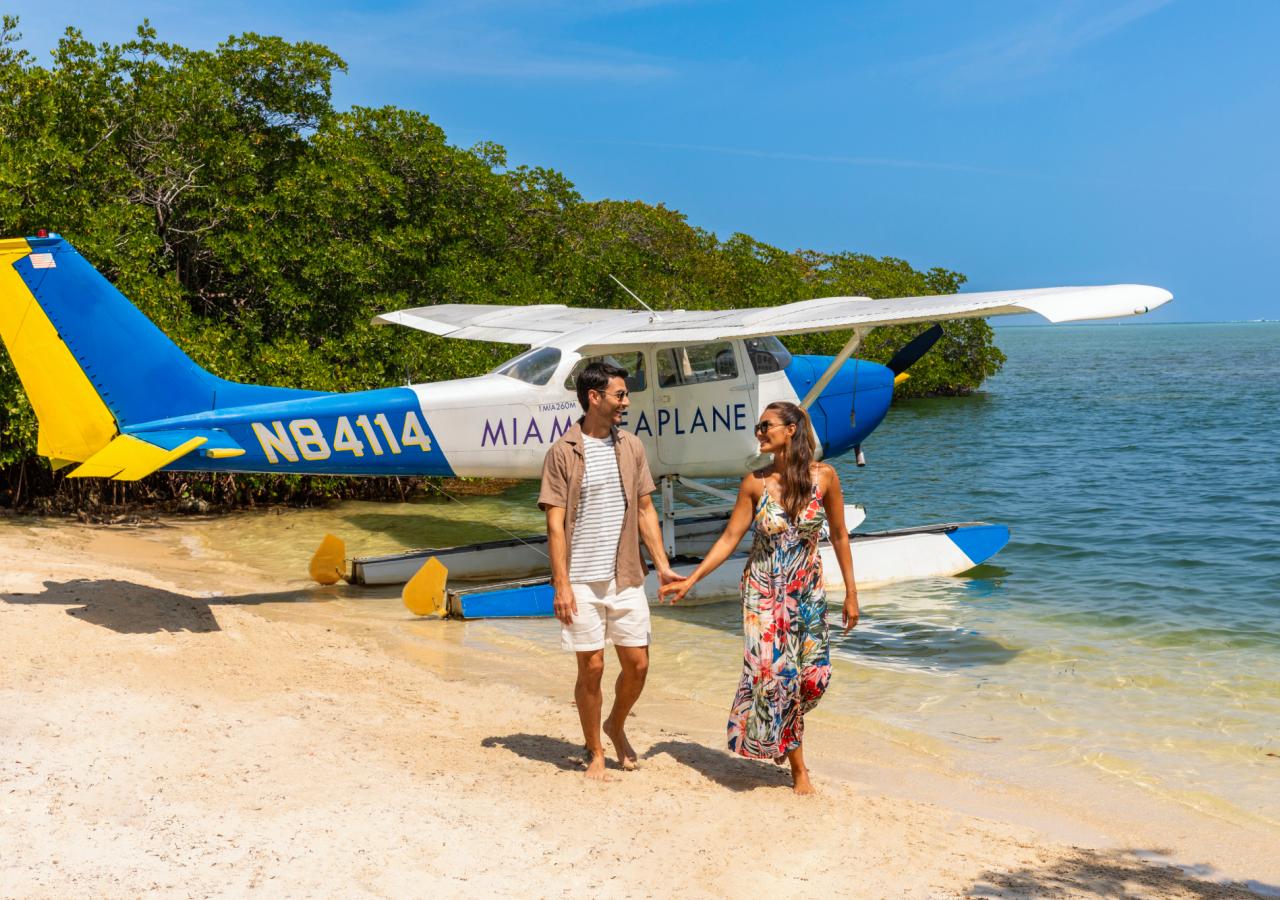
(595, 492)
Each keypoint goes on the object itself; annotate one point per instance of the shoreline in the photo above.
(88, 507)
(181, 722)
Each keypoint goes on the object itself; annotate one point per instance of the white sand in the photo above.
(154, 738)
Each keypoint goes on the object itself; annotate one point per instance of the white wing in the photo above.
(596, 330)
(537, 325)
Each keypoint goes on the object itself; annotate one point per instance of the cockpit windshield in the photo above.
(534, 367)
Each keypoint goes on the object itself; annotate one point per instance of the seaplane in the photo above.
(115, 398)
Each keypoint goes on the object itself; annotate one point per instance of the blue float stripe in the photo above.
(510, 603)
(980, 542)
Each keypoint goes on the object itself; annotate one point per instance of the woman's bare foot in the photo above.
(626, 754)
(595, 767)
(800, 782)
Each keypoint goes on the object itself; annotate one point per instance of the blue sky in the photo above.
(1025, 144)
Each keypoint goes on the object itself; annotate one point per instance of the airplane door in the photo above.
(704, 406)
(639, 417)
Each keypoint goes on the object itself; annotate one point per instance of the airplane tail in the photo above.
(100, 376)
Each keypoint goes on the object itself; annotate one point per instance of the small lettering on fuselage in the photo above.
(519, 431)
(307, 439)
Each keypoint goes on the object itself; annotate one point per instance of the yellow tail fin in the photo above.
(74, 422)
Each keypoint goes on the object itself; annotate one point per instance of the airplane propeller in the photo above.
(904, 359)
(914, 349)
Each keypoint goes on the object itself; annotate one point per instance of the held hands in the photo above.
(849, 614)
(673, 592)
(667, 578)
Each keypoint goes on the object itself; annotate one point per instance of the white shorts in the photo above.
(606, 614)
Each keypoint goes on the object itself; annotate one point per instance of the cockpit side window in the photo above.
(767, 354)
(534, 367)
(696, 364)
(632, 362)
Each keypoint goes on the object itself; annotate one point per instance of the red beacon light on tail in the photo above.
(42, 232)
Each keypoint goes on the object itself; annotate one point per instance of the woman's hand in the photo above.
(849, 615)
(674, 591)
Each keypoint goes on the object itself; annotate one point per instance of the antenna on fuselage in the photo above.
(653, 316)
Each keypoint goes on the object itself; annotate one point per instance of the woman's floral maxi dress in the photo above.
(787, 660)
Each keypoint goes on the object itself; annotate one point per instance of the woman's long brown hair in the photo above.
(797, 479)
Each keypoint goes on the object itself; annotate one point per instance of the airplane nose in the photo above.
(853, 403)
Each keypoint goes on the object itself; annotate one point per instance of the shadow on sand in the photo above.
(129, 608)
(722, 767)
(541, 748)
(728, 771)
(1118, 874)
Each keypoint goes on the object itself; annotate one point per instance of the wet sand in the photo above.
(176, 722)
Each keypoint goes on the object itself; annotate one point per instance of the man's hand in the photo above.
(849, 614)
(565, 605)
(673, 592)
(667, 576)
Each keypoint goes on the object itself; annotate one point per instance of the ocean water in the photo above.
(1132, 626)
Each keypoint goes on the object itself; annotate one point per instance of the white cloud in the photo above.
(496, 39)
(1032, 48)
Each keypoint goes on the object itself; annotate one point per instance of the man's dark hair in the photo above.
(596, 377)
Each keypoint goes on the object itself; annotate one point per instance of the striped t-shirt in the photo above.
(601, 507)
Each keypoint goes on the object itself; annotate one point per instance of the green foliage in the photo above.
(262, 229)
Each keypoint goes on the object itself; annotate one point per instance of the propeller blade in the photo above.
(916, 348)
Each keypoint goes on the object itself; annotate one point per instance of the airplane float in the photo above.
(115, 398)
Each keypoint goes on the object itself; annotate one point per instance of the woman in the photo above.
(787, 662)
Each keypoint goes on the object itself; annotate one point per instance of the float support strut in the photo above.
(708, 489)
(668, 485)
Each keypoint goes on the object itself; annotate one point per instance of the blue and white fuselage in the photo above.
(500, 425)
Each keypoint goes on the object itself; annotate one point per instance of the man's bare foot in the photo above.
(626, 753)
(595, 768)
(800, 782)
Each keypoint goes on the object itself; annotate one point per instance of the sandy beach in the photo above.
(176, 722)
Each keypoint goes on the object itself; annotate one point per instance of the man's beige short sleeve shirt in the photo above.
(562, 472)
